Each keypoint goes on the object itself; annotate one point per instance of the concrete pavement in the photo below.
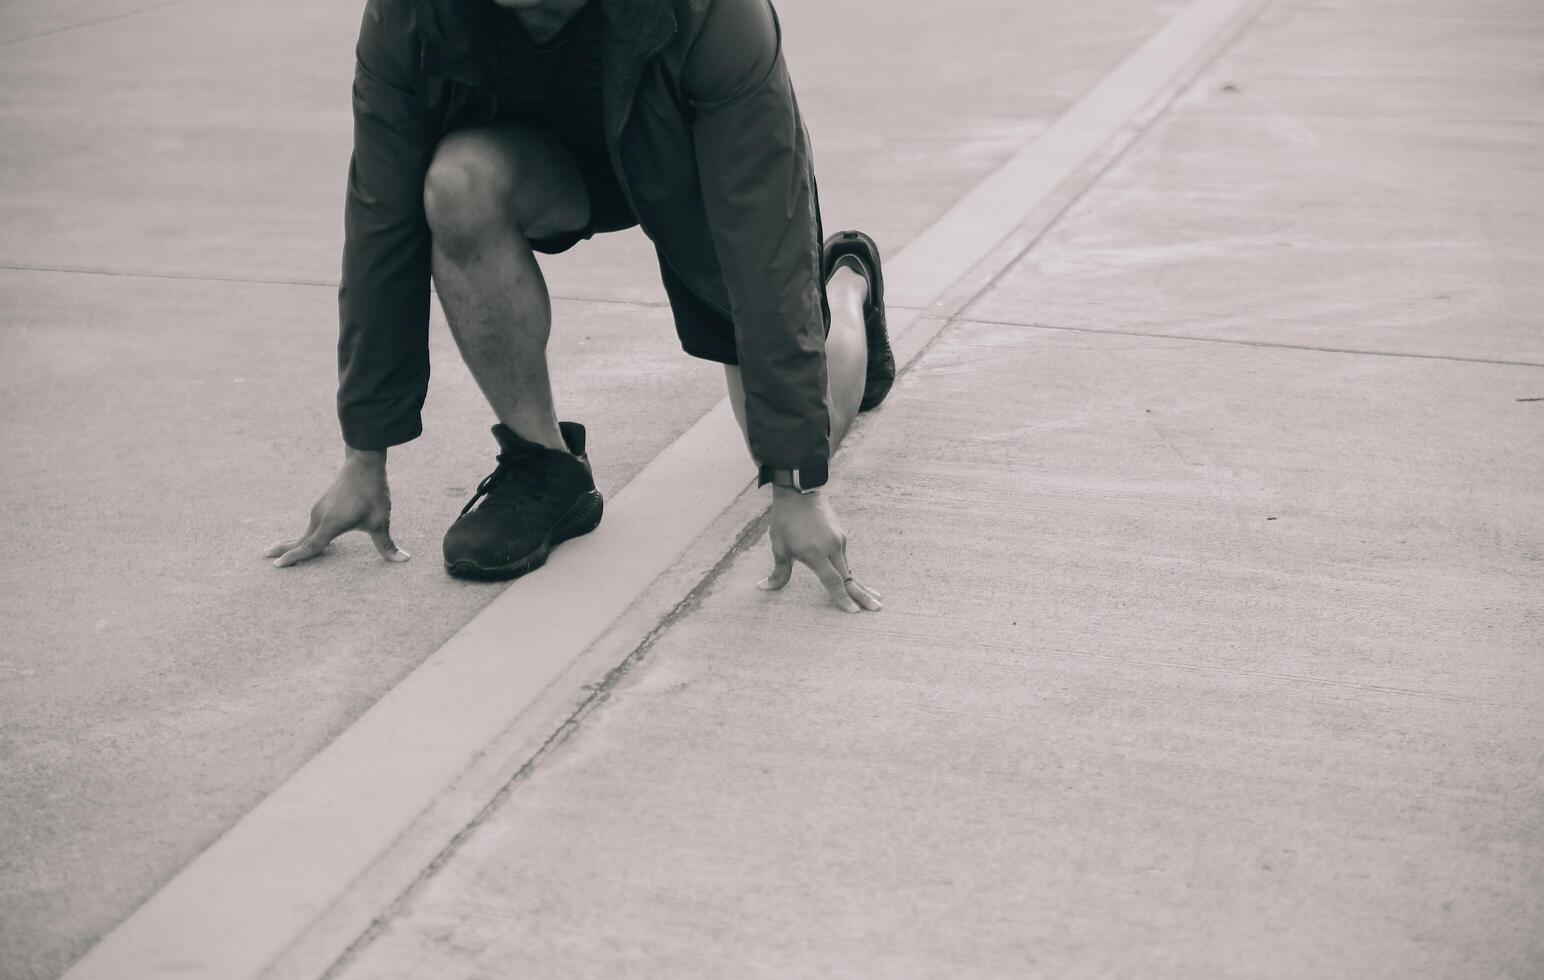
(169, 237)
(1212, 543)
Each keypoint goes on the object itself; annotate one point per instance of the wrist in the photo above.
(364, 461)
(789, 493)
(810, 476)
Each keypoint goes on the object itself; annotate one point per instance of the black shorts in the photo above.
(609, 210)
(703, 331)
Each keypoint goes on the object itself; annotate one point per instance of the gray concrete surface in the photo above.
(1381, 193)
(169, 241)
(23, 20)
(1212, 654)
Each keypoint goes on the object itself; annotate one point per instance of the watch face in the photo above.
(814, 476)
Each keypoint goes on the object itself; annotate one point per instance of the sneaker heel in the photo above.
(585, 517)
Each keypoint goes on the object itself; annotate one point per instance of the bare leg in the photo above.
(846, 357)
(488, 192)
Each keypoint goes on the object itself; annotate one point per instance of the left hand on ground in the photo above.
(805, 529)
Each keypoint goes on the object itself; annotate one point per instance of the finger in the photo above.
(313, 522)
(873, 592)
(282, 547)
(832, 580)
(840, 561)
(782, 571)
(304, 551)
(864, 596)
(386, 546)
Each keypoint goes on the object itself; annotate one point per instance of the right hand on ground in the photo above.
(805, 530)
(357, 501)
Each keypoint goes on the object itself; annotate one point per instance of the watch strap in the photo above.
(804, 479)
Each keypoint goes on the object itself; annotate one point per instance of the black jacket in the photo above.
(707, 141)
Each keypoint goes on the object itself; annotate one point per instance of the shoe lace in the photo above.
(518, 479)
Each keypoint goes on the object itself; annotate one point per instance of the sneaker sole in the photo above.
(879, 374)
(582, 518)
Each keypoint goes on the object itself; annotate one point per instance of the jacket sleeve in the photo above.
(383, 302)
(753, 160)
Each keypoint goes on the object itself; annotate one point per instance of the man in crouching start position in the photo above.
(488, 130)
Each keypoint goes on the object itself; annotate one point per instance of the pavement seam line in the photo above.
(302, 849)
(92, 23)
(252, 281)
(173, 276)
(1235, 342)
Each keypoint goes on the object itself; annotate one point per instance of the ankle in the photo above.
(848, 283)
(546, 435)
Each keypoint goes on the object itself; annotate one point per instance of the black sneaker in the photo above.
(881, 360)
(536, 499)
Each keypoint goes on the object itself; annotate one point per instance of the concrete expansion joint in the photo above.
(595, 695)
(308, 283)
(173, 276)
(1059, 195)
(1265, 344)
(383, 918)
(92, 23)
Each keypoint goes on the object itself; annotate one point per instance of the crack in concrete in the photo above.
(598, 694)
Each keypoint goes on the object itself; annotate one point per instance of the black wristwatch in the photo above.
(805, 479)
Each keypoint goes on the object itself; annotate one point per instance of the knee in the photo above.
(466, 193)
(476, 187)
